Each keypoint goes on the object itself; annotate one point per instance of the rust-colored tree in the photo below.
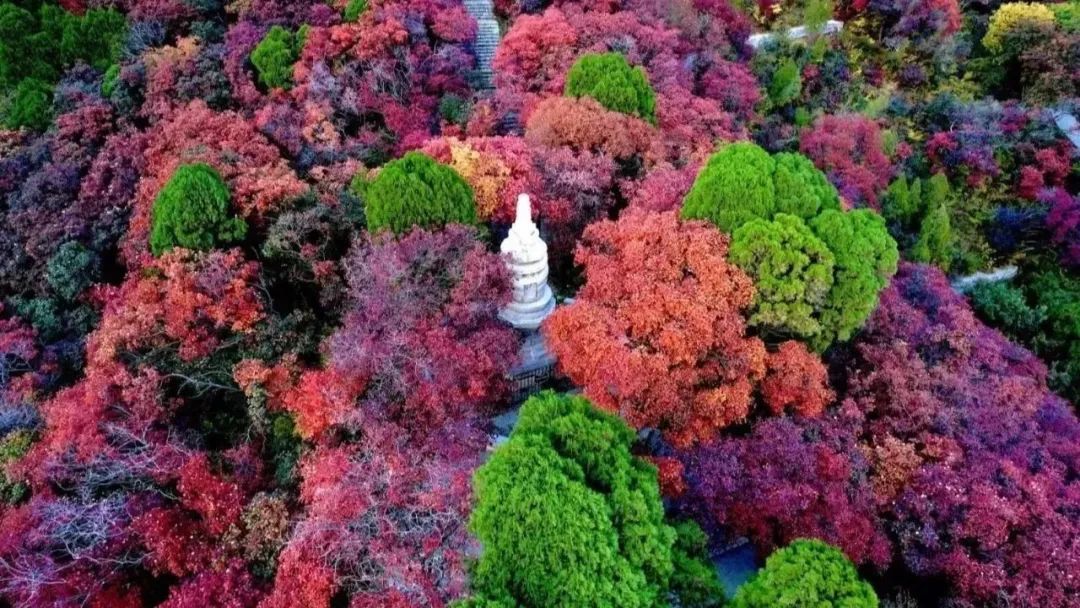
(658, 333)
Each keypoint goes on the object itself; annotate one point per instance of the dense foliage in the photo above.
(817, 269)
(38, 42)
(192, 211)
(251, 352)
(609, 79)
(415, 191)
(567, 516)
(275, 55)
(806, 572)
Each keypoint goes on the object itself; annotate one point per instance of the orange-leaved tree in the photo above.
(658, 332)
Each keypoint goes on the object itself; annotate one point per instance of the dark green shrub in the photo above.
(1059, 341)
(454, 109)
(414, 190)
(72, 269)
(192, 211)
(1005, 307)
(31, 105)
(735, 186)
(806, 573)
(95, 38)
(354, 9)
(935, 242)
(567, 516)
(694, 580)
(275, 55)
(609, 79)
(786, 85)
(38, 42)
(801, 188)
(52, 319)
(792, 271)
(1042, 312)
(920, 217)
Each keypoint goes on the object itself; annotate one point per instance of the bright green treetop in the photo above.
(792, 271)
(567, 516)
(192, 211)
(735, 186)
(742, 182)
(801, 188)
(817, 268)
(865, 258)
(275, 55)
(806, 574)
(610, 80)
(414, 190)
(353, 10)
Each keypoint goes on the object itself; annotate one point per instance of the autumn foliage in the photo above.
(658, 332)
(251, 353)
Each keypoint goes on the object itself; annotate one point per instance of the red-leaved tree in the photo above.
(422, 341)
(658, 332)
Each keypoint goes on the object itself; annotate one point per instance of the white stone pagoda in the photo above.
(527, 257)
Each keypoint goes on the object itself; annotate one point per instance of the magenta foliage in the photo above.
(375, 512)
(848, 148)
(949, 440)
(789, 479)
(422, 332)
(1064, 224)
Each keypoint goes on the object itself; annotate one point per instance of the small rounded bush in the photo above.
(1011, 16)
(72, 269)
(807, 573)
(275, 55)
(610, 80)
(734, 187)
(414, 190)
(192, 211)
(792, 271)
(31, 105)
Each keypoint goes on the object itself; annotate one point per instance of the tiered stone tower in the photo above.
(487, 38)
(527, 257)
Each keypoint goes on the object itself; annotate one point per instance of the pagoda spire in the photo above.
(526, 256)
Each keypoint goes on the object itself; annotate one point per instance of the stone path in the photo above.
(967, 283)
(831, 26)
(487, 38)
